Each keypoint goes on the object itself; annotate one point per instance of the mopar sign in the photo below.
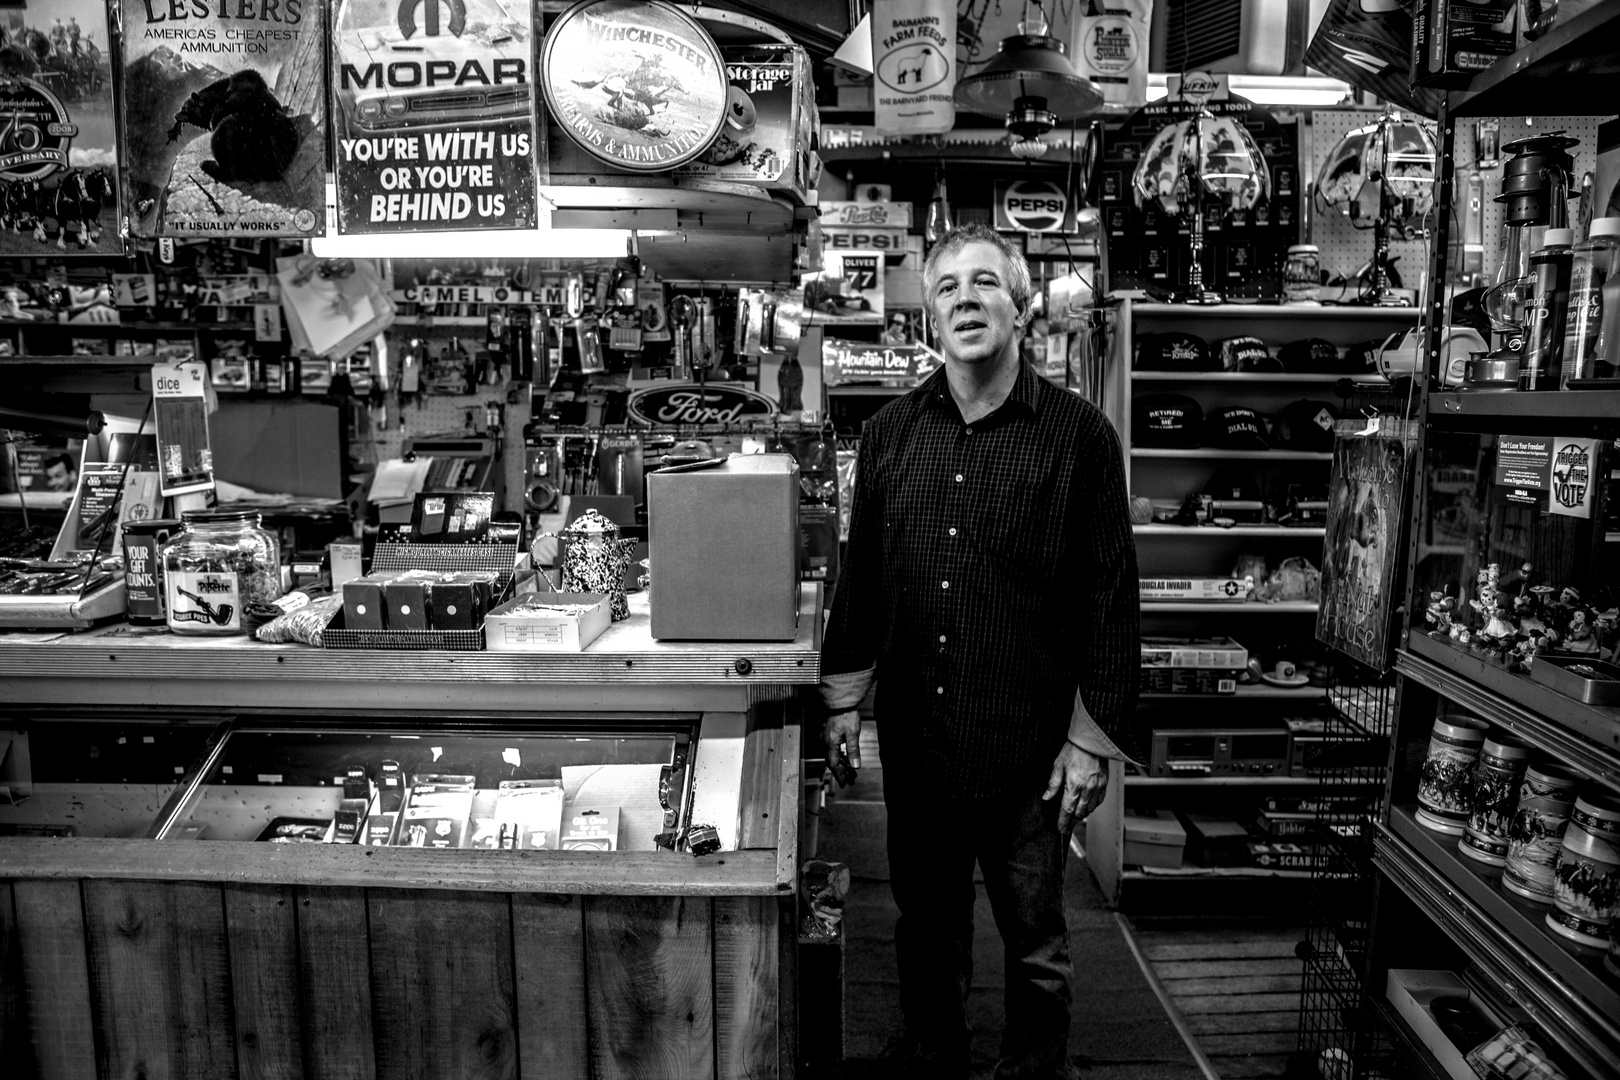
(688, 403)
(1032, 206)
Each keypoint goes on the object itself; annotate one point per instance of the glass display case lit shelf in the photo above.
(595, 786)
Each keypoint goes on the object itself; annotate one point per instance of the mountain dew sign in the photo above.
(853, 361)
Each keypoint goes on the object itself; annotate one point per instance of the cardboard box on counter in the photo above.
(1454, 40)
(1154, 838)
(548, 622)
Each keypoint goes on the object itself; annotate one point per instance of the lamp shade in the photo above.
(1029, 66)
(1216, 150)
(1398, 152)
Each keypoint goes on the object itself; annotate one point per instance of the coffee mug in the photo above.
(1284, 669)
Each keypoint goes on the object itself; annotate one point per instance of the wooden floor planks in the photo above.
(1238, 990)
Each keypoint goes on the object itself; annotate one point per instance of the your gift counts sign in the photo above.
(433, 103)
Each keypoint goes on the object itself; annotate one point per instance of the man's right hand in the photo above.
(842, 736)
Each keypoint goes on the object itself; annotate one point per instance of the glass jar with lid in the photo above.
(220, 563)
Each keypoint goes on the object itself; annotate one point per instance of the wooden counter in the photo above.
(197, 959)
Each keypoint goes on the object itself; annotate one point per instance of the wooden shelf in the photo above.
(79, 361)
(1582, 735)
(1227, 781)
(1229, 455)
(1209, 532)
(1509, 942)
(1210, 873)
(1279, 312)
(1561, 404)
(1244, 690)
(121, 327)
(1242, 378)
(1573, 70)
(1246, 607)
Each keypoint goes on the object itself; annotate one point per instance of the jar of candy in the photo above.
(1302, 274)
(222, 562)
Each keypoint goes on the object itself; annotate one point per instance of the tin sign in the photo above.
(1032, 206)
(690, 403)
(638, 84)
(854, 361)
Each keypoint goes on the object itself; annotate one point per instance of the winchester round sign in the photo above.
(638, 84)
(689, 403)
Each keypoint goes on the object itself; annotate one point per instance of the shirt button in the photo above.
(942, 639)
(958, 478)
(969, 431)
(939, 689)
(944, 584)
(953, 530)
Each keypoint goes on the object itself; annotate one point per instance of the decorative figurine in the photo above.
(1438, 613)
(1580, 640)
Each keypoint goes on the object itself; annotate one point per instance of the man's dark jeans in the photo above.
(933, 843)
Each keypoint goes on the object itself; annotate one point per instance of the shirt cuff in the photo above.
(1084, 733)
(842, 692)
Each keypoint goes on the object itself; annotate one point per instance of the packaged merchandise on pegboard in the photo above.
(1148, 194)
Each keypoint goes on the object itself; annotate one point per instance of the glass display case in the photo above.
(615, 785)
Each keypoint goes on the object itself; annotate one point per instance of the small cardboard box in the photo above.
(1213, 840)
(1186, 680)
(363, 605)
(1413, 993)
(406, 599)
(1215, 652)
(765, 139)
(547, 622)
(1454, 40)
(1154, 838)
(1215, 590)
(458, 600)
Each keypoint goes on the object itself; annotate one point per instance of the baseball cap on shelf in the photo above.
(1305, 425)
(1235, 427)
(1245, 353)
(1172, 351)
(1166, 420)
(1312, 355)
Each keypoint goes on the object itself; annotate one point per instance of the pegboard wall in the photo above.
(1464, 158)
(1344, 247)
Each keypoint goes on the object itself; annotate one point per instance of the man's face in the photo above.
(58, 477)
(972, 304)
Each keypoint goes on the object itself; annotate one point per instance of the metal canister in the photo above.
(1546, 798)
(1586, 880)
(1493, 797)
(143, 568)
(1443, 783)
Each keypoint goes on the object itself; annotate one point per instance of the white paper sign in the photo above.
(914, 66)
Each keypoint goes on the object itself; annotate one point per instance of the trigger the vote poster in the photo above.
(224, 117)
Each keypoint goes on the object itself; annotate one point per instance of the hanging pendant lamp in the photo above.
(1029, 83)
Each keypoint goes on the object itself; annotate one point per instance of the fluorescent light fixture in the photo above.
(474, 244)
(1298, 90)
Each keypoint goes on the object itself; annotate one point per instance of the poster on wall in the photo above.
(1361, 552)
(914, 66)
(433, 115)
(224, 118)
(59, 148)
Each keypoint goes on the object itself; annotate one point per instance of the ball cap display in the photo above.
(1311, 355)
(1235, 427)
(1245, 353)
(1305, 425)
(1166, 420)
(1172, 351)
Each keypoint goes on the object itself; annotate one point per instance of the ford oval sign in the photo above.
(689, 403)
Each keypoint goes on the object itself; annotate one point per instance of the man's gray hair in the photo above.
(962, 235)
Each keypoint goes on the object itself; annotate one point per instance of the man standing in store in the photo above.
(990, 590)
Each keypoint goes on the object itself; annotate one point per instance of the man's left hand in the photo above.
(1082, 779)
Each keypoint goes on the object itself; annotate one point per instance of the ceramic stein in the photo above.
(1444, 783)
(1536, 832)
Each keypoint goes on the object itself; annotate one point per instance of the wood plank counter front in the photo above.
(171, 960)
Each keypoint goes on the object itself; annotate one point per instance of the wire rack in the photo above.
(1338, 1033)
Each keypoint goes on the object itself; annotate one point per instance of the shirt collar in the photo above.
(1024, 395)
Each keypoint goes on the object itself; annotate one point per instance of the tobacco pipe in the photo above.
(221, 615)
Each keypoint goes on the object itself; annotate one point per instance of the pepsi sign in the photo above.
(1032, 206)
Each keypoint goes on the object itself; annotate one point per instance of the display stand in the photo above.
(177, 956)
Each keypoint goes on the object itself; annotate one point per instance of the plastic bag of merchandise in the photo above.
(304, 625)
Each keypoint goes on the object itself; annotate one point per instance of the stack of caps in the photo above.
(1172, 351)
